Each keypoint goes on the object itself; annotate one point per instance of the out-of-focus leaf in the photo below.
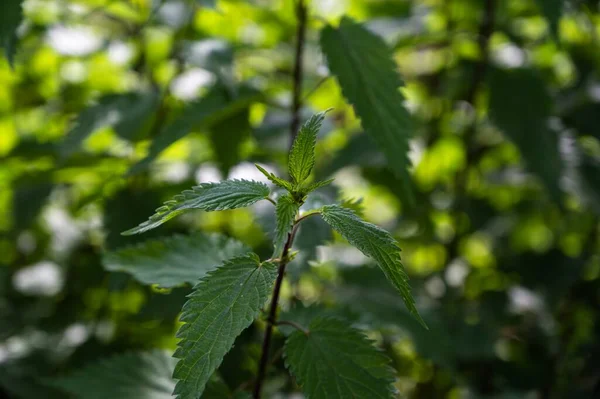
(142, 375)
(583, 119)
(227, 137)
(123, 210)
(176, 260)
(286, 210)
(27, 203)
(336, 361)
(377, 244)
(521, 107)
(364, 67)
(11, 14)
(223, 304)
(552, 10)
(589, 170)
(126, 113)
(214, 107)
(228, 194)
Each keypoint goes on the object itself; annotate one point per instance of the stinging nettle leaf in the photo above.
(175, 260)
(228, 194)
(302, 155)
(141, 375)
(369, 79)
(223, 304)
(286, 211)
(521, 107)
(337, 361)
(375, 243)
(274, 179)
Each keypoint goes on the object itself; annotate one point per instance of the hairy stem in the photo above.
(272, 319)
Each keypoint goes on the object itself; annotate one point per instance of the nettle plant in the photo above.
(327, 357)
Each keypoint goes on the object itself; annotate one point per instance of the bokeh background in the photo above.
(113, 106)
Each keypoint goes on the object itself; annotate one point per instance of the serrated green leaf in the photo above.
(142, 375)
(520, 106)
(11, 15)
(552, 10)
(302, 155)
(175, 260)
(274, 179)
(316, 185)
(369, 79)
(223, 304)
(125, 112)
(377, 244)
(217, 106)
(337, 361)
(228, 194)
(286, 211)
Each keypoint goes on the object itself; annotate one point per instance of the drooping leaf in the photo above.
(369, 79)
(228, 194)
(142, 375)
(214, 107)
(176, 260)
(127, 113)
(11, 14)
(274, 179)
(521, 107)
(302, 154)
(286, 211)
(337, 361)
(377, 244)
(552, 10)
(223, 304)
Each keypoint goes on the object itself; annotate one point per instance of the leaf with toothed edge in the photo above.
(222, 305)
(337, 361)
(368, 76)
(302, 155)
(274, 179)
(316, 185)
(228, 194)
(175, 260)
(377, 244)
(286, 211)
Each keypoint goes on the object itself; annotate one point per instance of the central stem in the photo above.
(272, 319)
(301, 14)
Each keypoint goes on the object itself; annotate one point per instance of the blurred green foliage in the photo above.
(110, 107)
